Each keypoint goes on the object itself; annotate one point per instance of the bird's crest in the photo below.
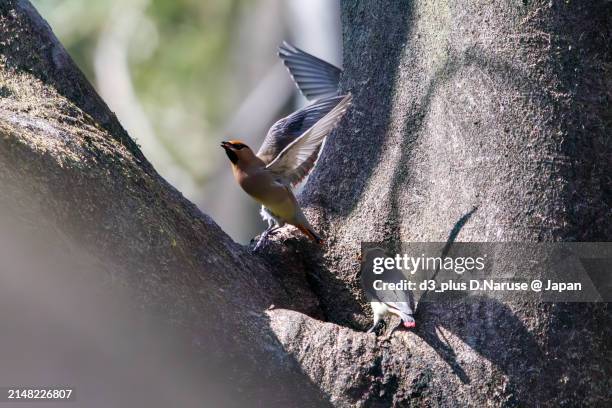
(236, 142)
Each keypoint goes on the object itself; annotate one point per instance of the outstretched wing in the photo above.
(287, 129)
(314, 77)
(298, 158)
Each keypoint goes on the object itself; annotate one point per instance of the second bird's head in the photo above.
(237, 151)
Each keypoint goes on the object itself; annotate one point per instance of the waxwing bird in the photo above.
(287, 155)
(391, 301)
(400, 309)
(314, 77)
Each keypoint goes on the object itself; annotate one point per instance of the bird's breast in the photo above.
(275, 196)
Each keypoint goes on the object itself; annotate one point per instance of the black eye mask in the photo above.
(232, 156)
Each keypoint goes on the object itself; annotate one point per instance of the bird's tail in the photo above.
(310, 233)
(404, 311)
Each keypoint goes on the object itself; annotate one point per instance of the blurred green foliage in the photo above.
(178, 59)
(192, 53)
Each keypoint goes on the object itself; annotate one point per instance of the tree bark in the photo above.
(471, 122)
(70, 170)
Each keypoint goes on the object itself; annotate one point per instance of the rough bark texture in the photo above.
(69, 168)
(472, 121)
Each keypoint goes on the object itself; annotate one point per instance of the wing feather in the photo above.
(287, 129)
(314, 77)
(298, 158)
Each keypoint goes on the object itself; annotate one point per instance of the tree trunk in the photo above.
(471, 121)
(474, 121)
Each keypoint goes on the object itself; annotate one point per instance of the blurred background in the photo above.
(182, 75)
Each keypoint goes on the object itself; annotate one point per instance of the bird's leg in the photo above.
(397, 326)
(271, 222)
(273, 227)
(377, 327)
(262, 238)
(273, 230)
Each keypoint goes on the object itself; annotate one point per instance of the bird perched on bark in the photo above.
(389, 301)
(400, 309)
(288, 153)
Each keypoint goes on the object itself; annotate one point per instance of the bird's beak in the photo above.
(230, 151)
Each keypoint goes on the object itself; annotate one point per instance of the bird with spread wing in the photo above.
(291, 147)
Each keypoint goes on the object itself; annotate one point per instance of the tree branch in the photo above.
(67, 163)
(433, 103)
